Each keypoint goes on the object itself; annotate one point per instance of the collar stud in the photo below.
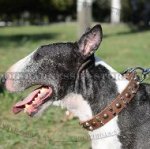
(105, 116)
(118, 105)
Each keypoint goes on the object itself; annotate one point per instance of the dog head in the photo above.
(54, 67)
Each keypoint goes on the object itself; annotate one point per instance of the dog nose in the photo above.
(2, 79)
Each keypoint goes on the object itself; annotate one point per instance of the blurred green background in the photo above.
(122, 47)
(27, 24)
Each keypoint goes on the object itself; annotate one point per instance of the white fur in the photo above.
(20, 65)
(76, 104)
(112, 127)
(102, 138)
(105, 137)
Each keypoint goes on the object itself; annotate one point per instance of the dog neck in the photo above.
(105, 137)
(120, 81)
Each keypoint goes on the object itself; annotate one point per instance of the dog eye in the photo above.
(38, 56)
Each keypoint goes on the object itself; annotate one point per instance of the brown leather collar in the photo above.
(116, 106)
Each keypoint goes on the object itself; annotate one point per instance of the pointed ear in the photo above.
(90, 41)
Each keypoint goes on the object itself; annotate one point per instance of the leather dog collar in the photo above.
(116, 106)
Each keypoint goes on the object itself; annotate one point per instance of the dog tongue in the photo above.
(18, 107)
(27, 99)
(39, 96)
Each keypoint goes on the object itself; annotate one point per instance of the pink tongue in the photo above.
(18, 107)
(27, 99)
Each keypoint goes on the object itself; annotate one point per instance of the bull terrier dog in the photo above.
(85, 85)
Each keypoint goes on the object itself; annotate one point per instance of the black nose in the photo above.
(2, 79)
(2, 82)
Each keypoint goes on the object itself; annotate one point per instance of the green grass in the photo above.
(121, 47)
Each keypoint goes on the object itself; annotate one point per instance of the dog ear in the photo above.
(87, 30)
(90, 41)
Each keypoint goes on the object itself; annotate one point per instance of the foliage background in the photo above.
(60, 10)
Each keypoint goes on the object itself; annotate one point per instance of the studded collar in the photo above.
(116, 106)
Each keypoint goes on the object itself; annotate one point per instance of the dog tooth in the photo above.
(36, 99)
(34, 102)
(43, 90)
(40, 95)
(25, 110)
(26, 105)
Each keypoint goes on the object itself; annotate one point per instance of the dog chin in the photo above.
(42, 109)
(45, 106)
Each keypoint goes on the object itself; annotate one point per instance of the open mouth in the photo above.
(32, 103)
